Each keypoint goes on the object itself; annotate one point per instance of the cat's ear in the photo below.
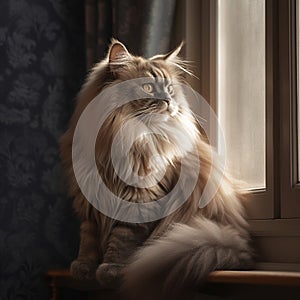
(174, 53)
(117, 52)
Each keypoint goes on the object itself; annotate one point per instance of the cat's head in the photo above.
(159, 78)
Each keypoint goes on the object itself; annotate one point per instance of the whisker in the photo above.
(195, 115)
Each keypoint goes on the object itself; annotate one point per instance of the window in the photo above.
(244, 97)
(247, 58)
(241, 87)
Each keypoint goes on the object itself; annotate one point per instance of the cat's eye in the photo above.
(148, 88)
(170, 89)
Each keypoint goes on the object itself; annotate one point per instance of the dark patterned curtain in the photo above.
(144, 26)
(42, 65)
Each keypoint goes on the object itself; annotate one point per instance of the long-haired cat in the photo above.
(172, 255)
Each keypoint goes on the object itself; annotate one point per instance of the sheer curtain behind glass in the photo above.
(241, 87)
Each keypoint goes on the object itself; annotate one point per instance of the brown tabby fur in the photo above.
(108, 247)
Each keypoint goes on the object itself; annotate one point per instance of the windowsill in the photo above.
(62, 278)
(256, 277)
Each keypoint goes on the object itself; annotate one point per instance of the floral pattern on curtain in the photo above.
(41, 69)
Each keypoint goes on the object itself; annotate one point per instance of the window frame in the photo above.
(287, 73)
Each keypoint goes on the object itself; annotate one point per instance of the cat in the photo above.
(162, 257)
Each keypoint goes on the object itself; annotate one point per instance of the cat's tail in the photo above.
(183, 258)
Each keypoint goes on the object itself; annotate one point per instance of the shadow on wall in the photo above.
(42, 66)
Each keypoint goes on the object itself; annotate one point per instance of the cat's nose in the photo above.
(164, 97)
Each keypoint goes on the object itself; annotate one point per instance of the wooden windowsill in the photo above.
(62, 278)
(256, 277)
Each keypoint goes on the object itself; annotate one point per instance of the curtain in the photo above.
(41, 69)
(144, 26)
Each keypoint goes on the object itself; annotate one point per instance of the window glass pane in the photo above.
(241, 87)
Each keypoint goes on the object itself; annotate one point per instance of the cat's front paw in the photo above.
(83, 269)
(109, 275)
